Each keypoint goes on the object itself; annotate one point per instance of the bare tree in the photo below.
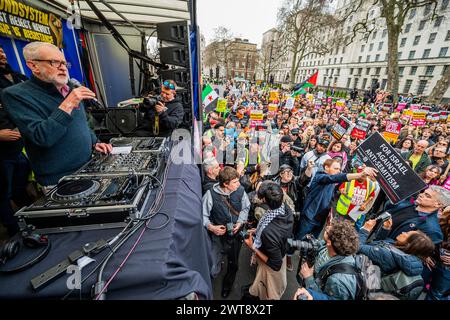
(270, 59)
(301, 23)
(394, 12)
(220, 50)
(440, 88)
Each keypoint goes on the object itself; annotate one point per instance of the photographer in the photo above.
(288, 156)
(338, 247)
(225, 210)
(163, 117)
(270, 244)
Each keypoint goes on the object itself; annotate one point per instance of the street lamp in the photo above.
(270, 57)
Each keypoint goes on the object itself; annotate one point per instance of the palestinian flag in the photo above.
(209, 98)
(301, 88)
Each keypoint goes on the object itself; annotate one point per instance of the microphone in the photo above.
(94, 102)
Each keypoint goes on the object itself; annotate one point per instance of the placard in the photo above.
(419, 118)
(274, 95)
(256, 115)
(360, 129)
(221, 105)
(310, 97)
(400, 106)
(290, 103)
(341, 127)
(22, 21)
(272, 107)
(395, 176)
(392, 131)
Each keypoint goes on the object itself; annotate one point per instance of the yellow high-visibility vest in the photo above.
(345, 199)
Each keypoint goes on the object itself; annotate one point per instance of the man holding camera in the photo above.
(318, 155)
(225, 210)
(341, 242)
(161, 118)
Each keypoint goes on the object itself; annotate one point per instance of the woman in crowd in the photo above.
(431, 175)
(336, 150)
(405, 145)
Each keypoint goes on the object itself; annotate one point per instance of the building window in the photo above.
(412, 13)
(383, 84)
(367, 71)
(422, 24)
(380, 45)
(444, 69)
(377, 57)
(384, 33)
(400, 71)
(348, 82)
(402, 42)
(444, 4)
(413, 71)
(438, 21)
(340, 60)
(427, 9)
(329, 61)
(359, 58)
(368, 58)
(351, 71)
(407, 28)
(408, 84)
(374, 34)
(426, 53)
(447, 37)
(386, 57)
(371, 47)
(429, 71)
(399, 55)
(432, 37)
(364, 83)
(443, 52)
(343, 49)
(359, 71)
(412, 53)
(362, 47)
(377, 71)
(356, 83)
(422, 85)
(416, 40)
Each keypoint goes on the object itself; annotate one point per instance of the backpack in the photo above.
(402, 286)
(368, 275)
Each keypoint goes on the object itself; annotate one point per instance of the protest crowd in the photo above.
(357, 187)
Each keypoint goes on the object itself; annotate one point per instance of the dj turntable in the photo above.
(144, 144)
(81, 203)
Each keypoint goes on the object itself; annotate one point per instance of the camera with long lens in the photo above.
(378, 224)
(150, 102)
(297, 149)
(308, 248)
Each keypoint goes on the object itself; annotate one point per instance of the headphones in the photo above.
(12, 247)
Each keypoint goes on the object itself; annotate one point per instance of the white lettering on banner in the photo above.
(386, 173)
(359, 195)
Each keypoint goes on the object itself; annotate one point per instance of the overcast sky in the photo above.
(247, 19)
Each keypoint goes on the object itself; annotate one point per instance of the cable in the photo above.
(161, 226)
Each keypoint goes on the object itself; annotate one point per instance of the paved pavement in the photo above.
(246, 274)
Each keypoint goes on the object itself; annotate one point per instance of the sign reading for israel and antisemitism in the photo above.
(395, 176)
(21, 21)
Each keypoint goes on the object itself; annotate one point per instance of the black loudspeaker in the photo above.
(174, 55)
(172, 31)
(180, 76)
(122, 120)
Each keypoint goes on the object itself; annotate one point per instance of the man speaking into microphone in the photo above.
(50, 116)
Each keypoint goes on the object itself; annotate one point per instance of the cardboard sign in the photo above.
(392, 131)
(433, 117)
(415, 107)
(329, 100)
(255, 123)
(274, 95)
(443, 116)
(387, 107)
(395, 176)
(355, 108)
(290, 103)
(360, 130)
(272, 107)
(446, 184)
(221, 105)
(419, 118)
(341, 127)
(310, 97)
(320, 95)
(22, 21)
(256, 115)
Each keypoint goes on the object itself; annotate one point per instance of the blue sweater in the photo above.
(320, 193)
(57, 143)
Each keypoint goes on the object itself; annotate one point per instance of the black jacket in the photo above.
(8, 148)
(208, 183)
(169, 120)
(274, 239)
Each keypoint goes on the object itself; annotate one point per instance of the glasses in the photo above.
(169, 85)
(54, 63)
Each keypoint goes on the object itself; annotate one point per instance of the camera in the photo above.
(150, 102)
(308, 248)
(230, 227)
(297, 149)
